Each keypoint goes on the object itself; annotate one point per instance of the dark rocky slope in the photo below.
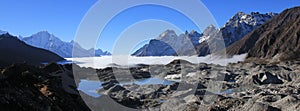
(14, 50)
(278, 39)
(155, 48)
(29, 88)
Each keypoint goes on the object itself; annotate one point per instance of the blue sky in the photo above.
(62, 17)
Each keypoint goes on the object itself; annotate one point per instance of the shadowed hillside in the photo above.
(14, 50)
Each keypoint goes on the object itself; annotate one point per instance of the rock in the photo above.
(259, 79)
(259, 106)
(266, 78)
(289, 103)
(226, 103)
(109, 84)
(173, 104)
(179, 62)
(52, 68)
(239, 86)
(191, 99)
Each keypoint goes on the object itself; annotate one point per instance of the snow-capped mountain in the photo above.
(236, 28)
(2, 32)
(14, 50)
(48, 41)
(276, 40)
(241, 24)
(169, 43)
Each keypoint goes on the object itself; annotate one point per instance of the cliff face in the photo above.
(277, 39)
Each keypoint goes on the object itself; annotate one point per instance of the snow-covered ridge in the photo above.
(2, 32)
(237, 27)
(48, 41)
(169, 43)
(253, 19)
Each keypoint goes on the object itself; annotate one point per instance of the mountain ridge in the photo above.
(278, 39)
(235, 28)
(202, 44)
(17, 51)
(45, 40)
(172, 43)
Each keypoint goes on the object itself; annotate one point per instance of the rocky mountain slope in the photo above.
(16, 51)
(169, 43)
(151, 49)
(236, 28)
(29, 88)
(48, 41)
(278, 39)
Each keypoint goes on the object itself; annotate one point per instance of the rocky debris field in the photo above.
(235, 87)
(244, 86)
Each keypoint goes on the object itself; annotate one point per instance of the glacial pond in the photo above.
(90, 87)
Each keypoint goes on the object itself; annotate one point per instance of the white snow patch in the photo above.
(191, 74)
(173, 77)
(244, 17)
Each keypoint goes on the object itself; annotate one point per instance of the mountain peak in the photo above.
(43, 34)
(44, 31)
(209, 30)
(7, 36)
(45, 40)
(252, 19)
(236, 28)
(17, 51)
(241, 24)
(43, 37)
(3, 32)
(276, 40)
(167, 34)
(193, 32)
(240, 13)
